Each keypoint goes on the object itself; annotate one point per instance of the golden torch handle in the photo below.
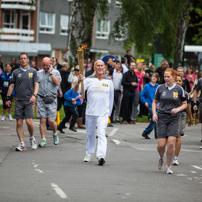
(80, 54)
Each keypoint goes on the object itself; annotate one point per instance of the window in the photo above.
(102, 29)
(64, 24)
(47, 23)
(9, 19)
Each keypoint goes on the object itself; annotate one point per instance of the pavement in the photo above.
(58, 173)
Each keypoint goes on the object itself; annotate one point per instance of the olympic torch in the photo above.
(80, 54)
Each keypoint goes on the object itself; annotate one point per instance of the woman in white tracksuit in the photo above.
(100, 97)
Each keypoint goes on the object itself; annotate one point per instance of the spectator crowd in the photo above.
(135, 86)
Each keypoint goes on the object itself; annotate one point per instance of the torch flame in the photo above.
(82, 47)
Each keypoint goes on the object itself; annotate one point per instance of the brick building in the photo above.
(41, 30)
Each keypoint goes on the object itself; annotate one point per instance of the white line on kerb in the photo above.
(59, 191)
(116, 142)
(197, 167)
(113, 131)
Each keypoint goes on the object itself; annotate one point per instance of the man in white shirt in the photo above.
(118, 89)
(124, 64)
(100, 97)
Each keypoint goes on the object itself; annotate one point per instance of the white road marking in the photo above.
(113, 131)
(197, 167)
(38, 170)
(193, 171)
(81, 131)
(116, 142)
(35, 166)
(189, 178)
(59, 191)
(181, 175)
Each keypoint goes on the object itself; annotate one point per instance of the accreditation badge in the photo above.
(104, 85)
(30, 75)
(175, 95)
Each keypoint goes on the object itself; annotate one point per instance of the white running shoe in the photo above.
(160, 164)
(175, 162)
(168, 170)
(101, 160)
(3, 118)
(33, 144)
(201, 147)
(20, 148)
(87, 158)
(10, 117)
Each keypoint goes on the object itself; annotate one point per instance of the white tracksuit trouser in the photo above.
(91, 123)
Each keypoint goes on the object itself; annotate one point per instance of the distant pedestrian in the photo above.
(5, 80)
(124, 64)
(130, 83)
(147, 97)
(64, 85)
(140, 75)
(14, 65)
(197, 89)
(1, 66)
(118, 89)
(25, 81)
(72, 100)
(183, 118)
(160, 70)
(185, 85)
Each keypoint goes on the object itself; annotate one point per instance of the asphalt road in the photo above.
(58, 173)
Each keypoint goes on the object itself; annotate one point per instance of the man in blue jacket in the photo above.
(147, 97)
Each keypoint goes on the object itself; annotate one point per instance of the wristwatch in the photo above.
(35, 95)
(51, 74)
(8, 98)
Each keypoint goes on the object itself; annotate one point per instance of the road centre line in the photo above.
(197, 167)
(193, 171)
(113, 131)
(59, 191)
(38, 170)
(116, 142)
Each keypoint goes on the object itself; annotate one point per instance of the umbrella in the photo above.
(105, 57)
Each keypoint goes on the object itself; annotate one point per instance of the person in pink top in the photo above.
(190, 76)
(140, 74)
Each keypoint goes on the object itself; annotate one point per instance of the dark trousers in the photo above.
(116, 98)
(81, 110)
(126, 105)
(3, 96)
(69, 111)
(60, 102)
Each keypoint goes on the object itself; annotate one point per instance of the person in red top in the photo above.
(140, 74)
(190, 76)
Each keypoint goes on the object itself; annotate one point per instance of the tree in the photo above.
(83, 13)
(194, 31)
(143, 20)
